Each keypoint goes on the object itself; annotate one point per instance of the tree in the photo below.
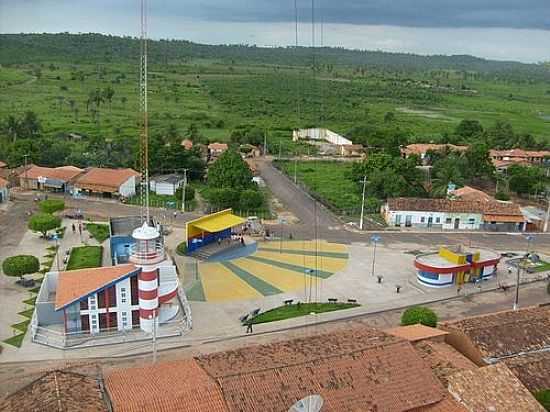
(525, 180)
(445, 171)
(478, 162)
(230, 171)
(251, 200)
(18, 266)
(44, 222)
(123, 100)
(469, 129)
(108, 94)
(419, 314)
(389, 117)
(11, 127)
(51, 205)
(29, 125)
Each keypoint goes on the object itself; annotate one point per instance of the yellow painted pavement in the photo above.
(324, 263)
(220, 284)
(309, 245)
(283, 279)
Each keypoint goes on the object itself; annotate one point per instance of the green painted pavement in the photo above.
(260, 285)
(336, 255)
(300, 269)
(196, 292)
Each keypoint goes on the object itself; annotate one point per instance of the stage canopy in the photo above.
(209, 228)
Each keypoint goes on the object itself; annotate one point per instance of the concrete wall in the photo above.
(4, 194)
(320, 134)
(128, 188)
(462, 343)
(45, 309)
(162, 188)
(439, 219)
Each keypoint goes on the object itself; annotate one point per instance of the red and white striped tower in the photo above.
(147, 253)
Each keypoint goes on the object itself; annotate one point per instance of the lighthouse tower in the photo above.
(147, 253)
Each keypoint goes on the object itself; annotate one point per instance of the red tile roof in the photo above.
(74, 284)
(104, 180)
(518, 153)
(454, 206)
(357, 370)
(499, 164)
(65, 173)
(471, 194)
(532, 369)
(492, 388)
(187, 144)
(218, 146)
(2, 164)
(416, 332)
(421, 148)
(178, 386)
(506, 333)
(58, 391)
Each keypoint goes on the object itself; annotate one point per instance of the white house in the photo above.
(453, 214)
(166, 184)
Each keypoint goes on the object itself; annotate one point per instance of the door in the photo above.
(85, 323)
(430, 221)
(408, 220)
(457, 223)
(397, 220)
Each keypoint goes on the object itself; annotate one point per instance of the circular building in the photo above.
(455, 265)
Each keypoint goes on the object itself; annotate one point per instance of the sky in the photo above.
(496, 29)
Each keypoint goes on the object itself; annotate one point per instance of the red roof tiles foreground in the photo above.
(104, 180)
(58, 391)
(179, 386)
(492, 388)
(506, 333)
(3, 182)
(357, 369)
(471, 194)
(533, 369)
(416, 332)
(74, 284)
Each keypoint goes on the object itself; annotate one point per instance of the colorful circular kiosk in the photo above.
(455, 265)
(211, 228)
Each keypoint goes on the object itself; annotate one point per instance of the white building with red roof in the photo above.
(49, 178)
(108, 182)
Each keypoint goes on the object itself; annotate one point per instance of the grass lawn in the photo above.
(294, 311)
(27, 313)
(330, 181)
(21, 326)
(85, 257)
(98, 231)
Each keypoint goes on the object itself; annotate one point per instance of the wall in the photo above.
(439, 219)
(4, 194)
(128, 188)
(165, 189)
(462, 343)
(320, 134)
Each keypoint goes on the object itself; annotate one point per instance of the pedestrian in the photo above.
(175, 215)
(249, 327)
(458, 289)
(74, 228)
(242, 240)
(80, 228)
(219, 241)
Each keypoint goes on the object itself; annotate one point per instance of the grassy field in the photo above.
(98, 231)
(218, 98)
(303, 309)
(85, 257)
(330, 181)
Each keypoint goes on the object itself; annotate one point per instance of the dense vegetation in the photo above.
(20, 265)
(83, 257)
(419, 314)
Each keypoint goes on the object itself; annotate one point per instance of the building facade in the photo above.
(4, 191)
(166, 184)
(107, 182)
(449, 214)
(455, 266)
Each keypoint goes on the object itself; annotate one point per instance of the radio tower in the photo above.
(144, 138)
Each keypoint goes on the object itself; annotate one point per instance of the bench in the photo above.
(288, 301)
(254, 312)
(332, 300)
(352, 300)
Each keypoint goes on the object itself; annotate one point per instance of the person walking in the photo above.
(249, 327)
(74, 228)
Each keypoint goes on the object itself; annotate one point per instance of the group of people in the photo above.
(79, 228)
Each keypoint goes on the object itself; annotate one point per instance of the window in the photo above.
(84, 304)
(92, 303)
(449, 220)
(124, 319)
(437, 220)
(122, 295)
(422, 219)
(472, 220)
(397, 220)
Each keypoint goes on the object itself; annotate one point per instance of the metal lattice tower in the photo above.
(144, 136)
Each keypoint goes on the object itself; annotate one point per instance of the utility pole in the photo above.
(280, 149)
(153, 317)
(375, 239)
(363, 204)
(265, 143)
(184, 189)
(547, 215)
(516, 299)
(295, 166)
(26, 178)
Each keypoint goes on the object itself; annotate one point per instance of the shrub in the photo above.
(182, 248)
(502, 196)
(20, 265)
(543, 396)
(251, 199)
(51, 205)
(44, 222)
(419, 314)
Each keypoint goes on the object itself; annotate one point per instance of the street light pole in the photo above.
(153, 318)
(295, 167)
(184, 189)
(516, 299)
(361, 220)
(375, 239)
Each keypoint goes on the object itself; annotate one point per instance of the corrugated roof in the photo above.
(178, 386)
(506, 333)
(74, 284)
(58, 391)
(416, 332)
(492, 388)
(104, 180)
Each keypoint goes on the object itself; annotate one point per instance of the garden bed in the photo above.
(297, 310)
(85, 257)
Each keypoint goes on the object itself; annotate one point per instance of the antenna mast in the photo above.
(144, 137)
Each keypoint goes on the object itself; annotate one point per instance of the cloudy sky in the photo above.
(499, 29)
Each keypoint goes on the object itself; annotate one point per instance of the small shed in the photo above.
(166, 184)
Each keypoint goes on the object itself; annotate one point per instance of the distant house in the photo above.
(108, 182)
(320, 134)
(56, 179)
(249, 150)
(420, 150)
(471, 194)
(352, 150)
(166, 184)
(215, 150)
(2, 164)
(4, 191)
(75, 136)
(502, 166)
(519, 156)
(187, 144)
(453, 214)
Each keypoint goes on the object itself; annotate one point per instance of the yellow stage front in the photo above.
(213, 223)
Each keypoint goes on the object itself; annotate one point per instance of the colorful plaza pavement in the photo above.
(274, 268)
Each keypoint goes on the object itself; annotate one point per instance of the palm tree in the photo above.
(445, 172)
(108, 93)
